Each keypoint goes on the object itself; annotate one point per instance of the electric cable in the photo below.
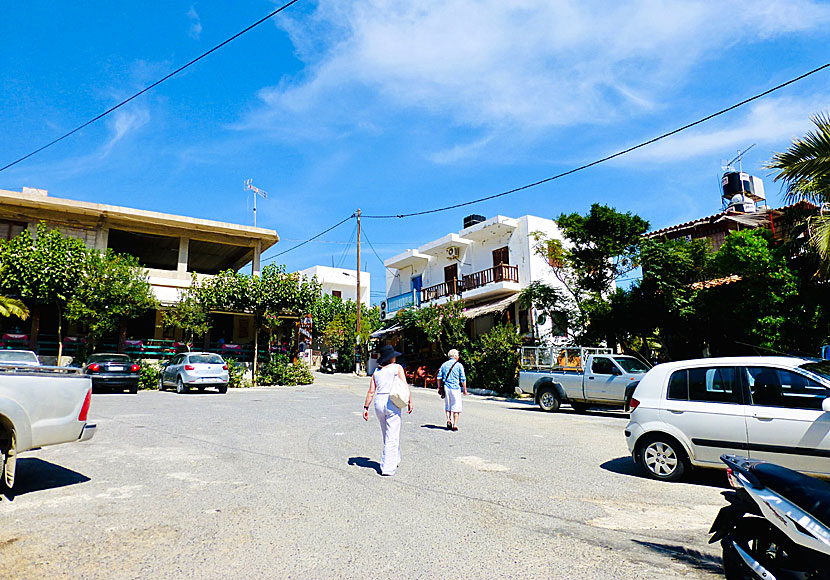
(378, 255)
(347, 247)
(341, 222)
(155, 84)
(604, 159)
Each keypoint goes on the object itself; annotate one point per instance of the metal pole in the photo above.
(357, 358)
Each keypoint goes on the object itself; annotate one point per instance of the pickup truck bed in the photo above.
(40, 406)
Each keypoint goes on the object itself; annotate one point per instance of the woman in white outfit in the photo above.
(389, 416)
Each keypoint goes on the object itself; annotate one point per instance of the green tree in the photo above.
(13, 307)
(44, 270)
(492, 361)
(112, 289)
(805, 170)
(341, 334)
(442, 324)
(189, 314)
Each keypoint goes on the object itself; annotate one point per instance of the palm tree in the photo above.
(805, 170)
(13, 307)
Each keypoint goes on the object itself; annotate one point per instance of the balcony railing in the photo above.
(400, 301)
(500, 273)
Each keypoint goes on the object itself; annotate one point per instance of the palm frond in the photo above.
(805, 166)
(13, 307)
(820, 235)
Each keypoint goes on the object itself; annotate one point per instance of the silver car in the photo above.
(195, 369)
(19, 358)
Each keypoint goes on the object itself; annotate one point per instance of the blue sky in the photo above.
(401, 106)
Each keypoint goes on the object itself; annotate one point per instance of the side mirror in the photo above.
(616, 372)
(825, 405)
(164, 363)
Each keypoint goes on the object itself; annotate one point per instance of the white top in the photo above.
(383, 378)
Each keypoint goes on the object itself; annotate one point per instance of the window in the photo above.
(210, 359)
(706, 384)
(632, 365)
(603, 366)
(501, 256)
(524, 321)
(770, 387)
(337, 294)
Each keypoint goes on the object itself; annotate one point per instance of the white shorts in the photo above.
(452, 400)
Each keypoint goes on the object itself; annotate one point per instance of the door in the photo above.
(451, 278)
(417, 283)
(706, 404)
(170, 371)
(603, 381)
(500, 256)
(785, 423)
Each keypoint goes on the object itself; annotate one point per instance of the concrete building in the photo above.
(341, 282)
(486, 264)
(171, 247)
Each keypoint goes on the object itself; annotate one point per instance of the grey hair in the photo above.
(453, 353)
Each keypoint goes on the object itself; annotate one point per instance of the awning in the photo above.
(384, 331)
(498, 306)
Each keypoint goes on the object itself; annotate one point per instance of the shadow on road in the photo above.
(34, 474)
(365, 462)
(430, 426)
(612, 414)
(708, 477)
(693, 558)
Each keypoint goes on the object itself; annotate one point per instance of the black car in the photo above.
(113, 371)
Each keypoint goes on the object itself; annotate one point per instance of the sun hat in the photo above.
(387, 353)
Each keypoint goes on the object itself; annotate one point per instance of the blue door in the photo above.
(417, 283)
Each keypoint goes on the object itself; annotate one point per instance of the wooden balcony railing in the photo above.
(500, 273)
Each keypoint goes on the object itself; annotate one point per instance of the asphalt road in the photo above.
(282, 482)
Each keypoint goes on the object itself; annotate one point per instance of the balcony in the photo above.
(504, 275)
(400, 301)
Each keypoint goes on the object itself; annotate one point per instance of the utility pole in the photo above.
(358, 350)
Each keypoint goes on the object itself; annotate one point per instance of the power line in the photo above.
(604, 159)
(155, 84)
(347, 247)
(341, 222)
(377, 255)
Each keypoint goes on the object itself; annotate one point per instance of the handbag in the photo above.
(399, 395)
(441, 390)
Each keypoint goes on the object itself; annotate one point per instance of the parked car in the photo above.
(113, 370)
(687, 414)
(19, 357)
(40, 406)
(580, 376)
(195, 369)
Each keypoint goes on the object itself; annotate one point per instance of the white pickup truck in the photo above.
(40, 406)
(580, 376)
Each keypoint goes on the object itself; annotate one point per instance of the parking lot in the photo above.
(281, 482)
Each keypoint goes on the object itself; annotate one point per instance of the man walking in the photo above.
(451, 376)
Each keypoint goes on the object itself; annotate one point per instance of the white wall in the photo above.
(341, 279)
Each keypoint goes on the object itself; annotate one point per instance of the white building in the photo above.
(340, 282)
(486, 264)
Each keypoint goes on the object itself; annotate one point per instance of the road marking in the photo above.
(481, 464)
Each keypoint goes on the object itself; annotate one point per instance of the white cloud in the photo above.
(774, 121)
(525, 63)
(122, 123)
(459, 152)
(195, 30)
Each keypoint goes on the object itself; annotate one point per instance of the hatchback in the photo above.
(113, 370)
(195, 369)
(689, 413)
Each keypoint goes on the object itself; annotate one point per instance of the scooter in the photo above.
(777, 523)
(329, 364)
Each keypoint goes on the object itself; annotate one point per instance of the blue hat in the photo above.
(387, 353)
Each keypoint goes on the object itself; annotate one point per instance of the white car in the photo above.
(195, 369)
(688, 413)
(19, 358)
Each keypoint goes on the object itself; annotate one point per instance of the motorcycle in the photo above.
(329, 363)
(777, 523)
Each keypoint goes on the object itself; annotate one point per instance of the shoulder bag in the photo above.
(399, 395)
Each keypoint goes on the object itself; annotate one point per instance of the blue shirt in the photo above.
(452, 379)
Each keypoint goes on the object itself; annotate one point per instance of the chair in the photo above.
(431, 379)
(410, 375)
(420, 375)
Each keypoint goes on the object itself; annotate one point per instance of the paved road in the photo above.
(282, 483)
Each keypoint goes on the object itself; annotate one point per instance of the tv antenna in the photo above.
(730, 166)
(257, 191)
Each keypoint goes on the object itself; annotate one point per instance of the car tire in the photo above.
(161, 383)
(549, 399)
(223, 388)
(663, 458)
(179, 386)
(8, 463)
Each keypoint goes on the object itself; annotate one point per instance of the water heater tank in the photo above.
(736, 183)
(472, 220)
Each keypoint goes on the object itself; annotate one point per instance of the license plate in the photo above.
(116, 368)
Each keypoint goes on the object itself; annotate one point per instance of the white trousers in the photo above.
(452, 400)
(389, 417)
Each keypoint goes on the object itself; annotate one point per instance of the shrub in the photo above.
(149, 379)
(279, 371)
(492, 361)
(236, 375)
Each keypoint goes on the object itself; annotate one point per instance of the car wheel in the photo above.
(8, 461)
(549, 399)
(663, 458)
(161, 383)
(223, 388)
(179, 386)
(579, 407)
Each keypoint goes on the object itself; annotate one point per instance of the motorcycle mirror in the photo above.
(825, 405)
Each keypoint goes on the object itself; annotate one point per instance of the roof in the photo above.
(497, 306)
(385, 331)
(716, 282)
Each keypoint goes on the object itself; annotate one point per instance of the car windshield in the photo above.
(99, 358)
(632, 365)
(209, 359)
(820, 368)
(18, 356)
